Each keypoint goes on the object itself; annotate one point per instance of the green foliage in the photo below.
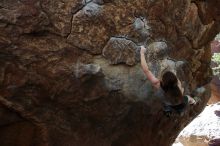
(216, 59)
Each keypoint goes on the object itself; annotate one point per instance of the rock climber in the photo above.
(168, 88)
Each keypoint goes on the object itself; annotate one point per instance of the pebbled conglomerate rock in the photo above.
(120, 50)
(70, 70)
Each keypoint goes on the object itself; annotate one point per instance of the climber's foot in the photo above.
(168, 110)
(197, 99)
(168, 113)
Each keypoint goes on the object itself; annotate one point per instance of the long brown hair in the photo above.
(169, 84)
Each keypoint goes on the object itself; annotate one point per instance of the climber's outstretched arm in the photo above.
(150, 76)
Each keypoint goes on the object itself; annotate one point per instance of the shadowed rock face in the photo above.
(70, 70)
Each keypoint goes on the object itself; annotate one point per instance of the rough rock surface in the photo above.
(70, 71)
(204, 130)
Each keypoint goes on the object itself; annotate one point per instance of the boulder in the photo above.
(70, 70)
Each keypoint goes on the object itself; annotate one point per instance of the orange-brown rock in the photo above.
(70, 70)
